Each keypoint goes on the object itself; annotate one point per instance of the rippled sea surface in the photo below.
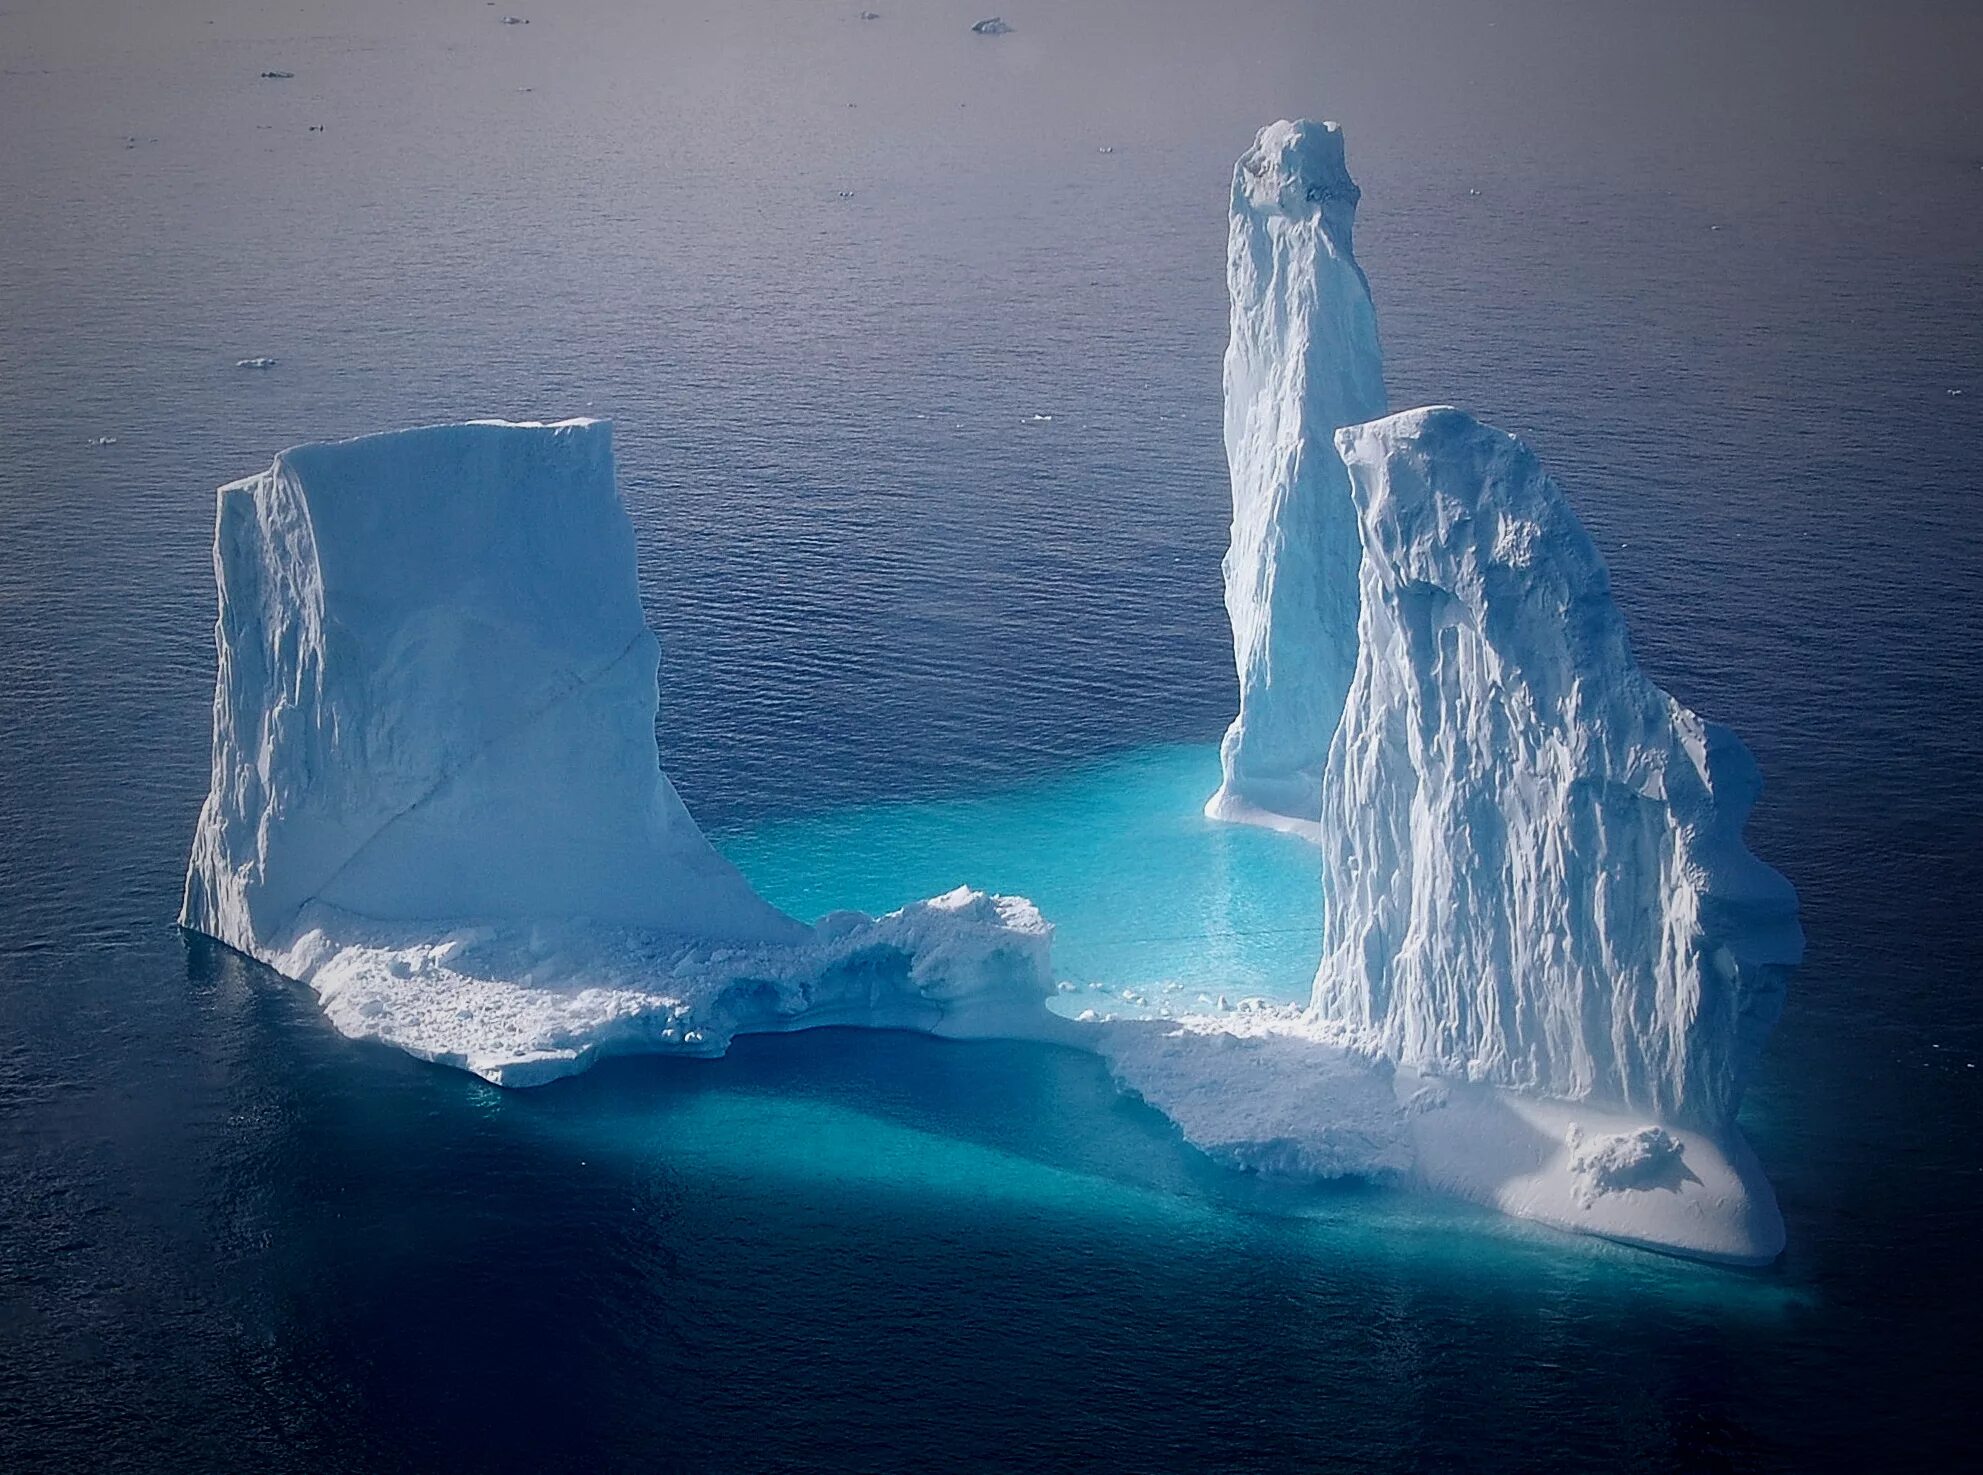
(912, 342)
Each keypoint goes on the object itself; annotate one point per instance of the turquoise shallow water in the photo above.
(1145, 893)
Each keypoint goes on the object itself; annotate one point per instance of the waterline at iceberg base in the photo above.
(388, 748)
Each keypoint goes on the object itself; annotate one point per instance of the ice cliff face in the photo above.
(436, 697)
(1533, 862)
(1303, 360)
(437, 798)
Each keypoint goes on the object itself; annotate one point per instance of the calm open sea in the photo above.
(1721, 264)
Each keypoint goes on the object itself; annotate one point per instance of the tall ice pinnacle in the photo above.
(1533, 865)
(1303, 360)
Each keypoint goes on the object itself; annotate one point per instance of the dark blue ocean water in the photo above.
(1723, 269)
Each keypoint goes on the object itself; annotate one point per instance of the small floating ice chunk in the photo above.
(870, 15)
(254, 363)
(1039, 419)
(515, 20)
(279, 76)
(992, 27)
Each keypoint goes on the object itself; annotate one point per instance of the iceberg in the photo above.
(1549, 962)
(1533, 867)
(1303, 360)
(437, 796)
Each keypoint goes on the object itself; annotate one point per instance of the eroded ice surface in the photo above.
(1534, 871)
(1303, 360)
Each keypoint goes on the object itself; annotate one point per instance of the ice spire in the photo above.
(1303, 360)
(1533, 865)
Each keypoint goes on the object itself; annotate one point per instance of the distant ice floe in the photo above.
(254, 363)
(992, 27)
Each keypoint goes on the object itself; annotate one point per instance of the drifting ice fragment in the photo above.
(992, 27)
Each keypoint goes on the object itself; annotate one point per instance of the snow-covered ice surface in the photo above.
(437, 797)
(1533, 865)
(1303, 360)
(521, 1004)
(1280, 1091)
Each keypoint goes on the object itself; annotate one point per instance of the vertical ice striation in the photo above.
(1533, 859)
(1303, 360)
(436, 697)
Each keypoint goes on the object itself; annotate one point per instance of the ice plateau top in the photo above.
(1549, 962)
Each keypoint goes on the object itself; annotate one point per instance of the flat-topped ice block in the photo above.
(436, 697)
